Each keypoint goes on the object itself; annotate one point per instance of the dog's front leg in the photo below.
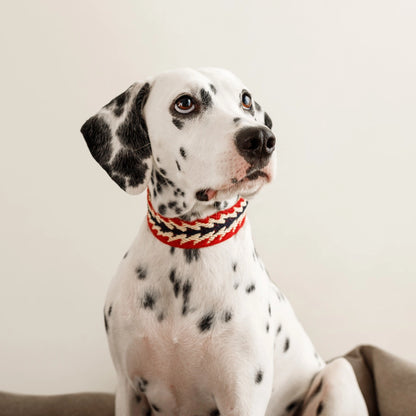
(334, 392)
(129, 402)
(243, 399)
(247, 406)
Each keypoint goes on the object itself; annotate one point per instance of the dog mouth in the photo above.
(248, 186)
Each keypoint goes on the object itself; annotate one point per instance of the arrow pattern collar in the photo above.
(199, 233)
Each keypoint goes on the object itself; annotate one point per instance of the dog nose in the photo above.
(255, 144)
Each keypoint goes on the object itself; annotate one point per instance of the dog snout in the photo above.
(255, 144)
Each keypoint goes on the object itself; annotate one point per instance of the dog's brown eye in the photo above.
(246, 101)
(184, 104)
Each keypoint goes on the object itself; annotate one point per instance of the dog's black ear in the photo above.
(118, 140)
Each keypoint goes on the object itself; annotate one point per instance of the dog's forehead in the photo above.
(171, 83)
(223, 79)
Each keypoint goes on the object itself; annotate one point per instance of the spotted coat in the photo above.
(203, 332)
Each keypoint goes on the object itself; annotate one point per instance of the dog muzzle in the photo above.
(200, 233)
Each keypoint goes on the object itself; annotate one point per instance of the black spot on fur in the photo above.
(178, 123)
(172, 204)
(267, 327)
(142, 385)
(217, 205)
(125, 255)
(178, 165)
(236, 119)
(287, 345)
(138, 398)
(161, 181)
(320, 408)
(148, 301)
(191, 254)
(175, 282)
(141, 273)
(318, 388)
(206, 98)
(118, 103)
(268, 121)
(162, 209)
(159, 178)
(176, 288)
(215, 412)
(110, 309)
(259, 377)
(213, 89)
(178, 211)
(155, 408)
(133, 131)
(236, 285)
(227, 316)
(172, 275)
(278, 330)
(182, 152)
(178, 192)
(129, 165)
(257, 106)
(205, 322)
(292, 405)
(97, 135)
(234, 180)
(234, 267)
(172, 250)
(186, 290)
(105, 323)
(250, 288)
(161, 317)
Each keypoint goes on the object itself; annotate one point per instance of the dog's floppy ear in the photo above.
(118, 140)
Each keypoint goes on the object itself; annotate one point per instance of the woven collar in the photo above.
(199, 233)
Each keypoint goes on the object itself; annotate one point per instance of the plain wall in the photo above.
(336, 229)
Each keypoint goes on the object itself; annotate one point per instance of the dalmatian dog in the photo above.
(195, 325)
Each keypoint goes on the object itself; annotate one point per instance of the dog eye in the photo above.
(246, 101)
(184, 104)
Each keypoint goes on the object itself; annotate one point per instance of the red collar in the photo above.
(199, 233)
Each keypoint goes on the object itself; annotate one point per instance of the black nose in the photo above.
(255, 144)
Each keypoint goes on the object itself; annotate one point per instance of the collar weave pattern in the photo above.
(199, 233)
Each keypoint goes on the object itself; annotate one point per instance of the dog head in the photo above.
(191, 136)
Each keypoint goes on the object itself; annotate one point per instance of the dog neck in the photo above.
(203, 210)
(207, 231)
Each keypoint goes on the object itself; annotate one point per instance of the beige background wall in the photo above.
(336, 229)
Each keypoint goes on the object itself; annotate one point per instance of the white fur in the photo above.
(183, 370)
